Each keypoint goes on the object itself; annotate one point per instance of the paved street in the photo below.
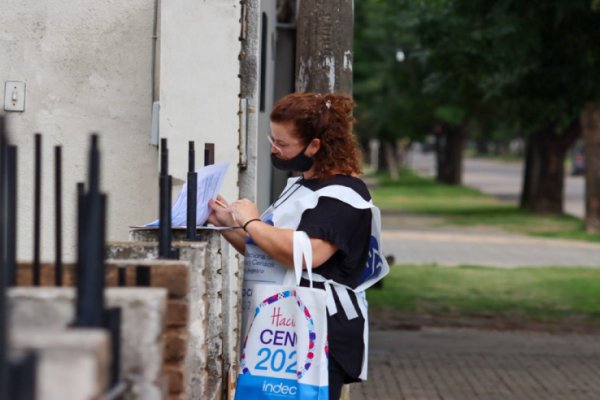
(422, 240)
(503, 179)
(467, 364)
(464, 364)
(456, 246)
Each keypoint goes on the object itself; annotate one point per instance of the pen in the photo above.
(220, 203)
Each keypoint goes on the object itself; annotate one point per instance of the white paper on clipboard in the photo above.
(210, 179)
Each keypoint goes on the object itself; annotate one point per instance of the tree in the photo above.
(388, 75)
(441, 85)
(530, 66)
(590, 122)
(562, 57)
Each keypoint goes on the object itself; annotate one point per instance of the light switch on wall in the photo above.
(14, 96)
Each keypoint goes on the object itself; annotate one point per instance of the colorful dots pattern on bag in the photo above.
(311, 334)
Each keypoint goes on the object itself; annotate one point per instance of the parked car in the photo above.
(578, 160)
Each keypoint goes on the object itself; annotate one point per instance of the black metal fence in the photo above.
(17, 374)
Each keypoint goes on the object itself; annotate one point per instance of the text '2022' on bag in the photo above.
(284, 354)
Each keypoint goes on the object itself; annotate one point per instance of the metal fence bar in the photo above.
(121, 278)
(209, 154)
(17, 378)
(165, 236)
(209, 158)
(79, 234)
(90, 280)
(91, 311)
(142, 276)
(192, 182)
(11, 215)
(37, 208)
(164, 242)
(3, 317)
(58, 265)
(113, 325)
(22, 377)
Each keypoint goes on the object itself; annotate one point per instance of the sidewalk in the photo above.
(463, 364)
(468, 364)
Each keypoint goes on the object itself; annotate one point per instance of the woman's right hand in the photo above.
(220, 216)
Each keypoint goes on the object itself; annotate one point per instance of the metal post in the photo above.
(58, 267)
(17, 379)
(80, 213)
(37, 208)
(113, 325)
(192, 185)
(3, 318)
(90, 282)
(164, 242)
(11, 214)
(142, 276)
(209, 158)
(165, 184)
(121, 278)
(209, 154)
(22, 376)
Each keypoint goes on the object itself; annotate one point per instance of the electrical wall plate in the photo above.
(14, 96)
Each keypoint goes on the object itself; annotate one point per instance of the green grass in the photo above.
(540, 294)
(547, 294)
(459, 205)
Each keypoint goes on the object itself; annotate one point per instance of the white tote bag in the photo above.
(284, 353)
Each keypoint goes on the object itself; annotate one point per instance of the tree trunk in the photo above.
(544, 172)
(530, 172)
(590, 125)
(390, 160)
(449, 147)
(324, 46)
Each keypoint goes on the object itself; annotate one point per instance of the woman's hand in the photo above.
(244, 210)
(220, 216)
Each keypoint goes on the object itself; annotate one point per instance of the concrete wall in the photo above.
(213, 303)
(51, 310)
(88, 66)
(79, 357)
(199, 84)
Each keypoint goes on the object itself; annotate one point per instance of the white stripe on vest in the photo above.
(288, 215)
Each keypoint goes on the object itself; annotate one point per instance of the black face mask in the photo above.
(299, 163)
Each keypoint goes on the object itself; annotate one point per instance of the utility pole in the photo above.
(324, 33)
(324, 46)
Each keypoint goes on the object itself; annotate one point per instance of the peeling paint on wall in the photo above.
(348, 60)
(303, 75)
(330, 65)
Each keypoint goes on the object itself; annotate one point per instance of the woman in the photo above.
(312, 134)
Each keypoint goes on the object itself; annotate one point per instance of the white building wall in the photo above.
(199, 83)
(87, 66)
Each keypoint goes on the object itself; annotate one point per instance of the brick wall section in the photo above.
(47, 273)
(172, 275)
(212, 309)
(208, 313)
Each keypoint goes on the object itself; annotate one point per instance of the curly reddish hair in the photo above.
(327, 117)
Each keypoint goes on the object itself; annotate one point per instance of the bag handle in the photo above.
(302, 250)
